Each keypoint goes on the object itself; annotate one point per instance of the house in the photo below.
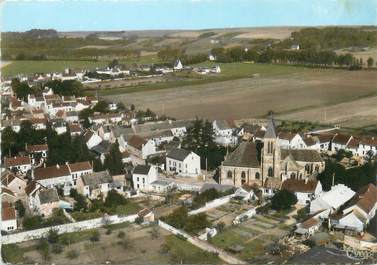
(340, 141)
(46, 201)
(71, 116)
(324, 141)
(75, 129)
(295, 47)
(161, 185)
(367, 146)
(18, 163)
(94, 185)
(13, 183)
(39, 124)
(305, 190)
(53, 176)
(183, 162)
(223, 130)
(332, 200)
(359, 211)
(78, 169)
(8, 217)
(289, 140)
(143, 176)
(308, 227)
(92, 139)
(37, 150)
(141, 147)
(104, 132)
(178, 65)
(59, 126)
(8, 196)
(31, 191)
(211, 57)
(146, 215)
(245, 194)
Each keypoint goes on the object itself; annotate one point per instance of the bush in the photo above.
(57, 248)
(283, 200)
(44, 248)
(20, 208)
(52, 236)
(12, 253)
(121, 234)
(72, 254)
(32, 222)
(155, 232)
(95, 237)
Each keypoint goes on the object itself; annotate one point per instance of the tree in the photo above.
(370, 62)
(20, 208)
(283, 200)
(113, 161)
(114, 199)
(8, 142)
(101, 106)
(95, 236)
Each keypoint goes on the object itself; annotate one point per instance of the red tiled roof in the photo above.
(366, 197)
(136, 141)
(341, 139)
(36, 148)
(295, 185)
(80, 166)
(51, 172)
(17, 161)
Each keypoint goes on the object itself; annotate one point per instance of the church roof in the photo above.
(270, 133)
(302, 155)
(245, 155)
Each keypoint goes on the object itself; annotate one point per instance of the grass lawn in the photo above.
(129, 208)
(30, 67)
(182, 252)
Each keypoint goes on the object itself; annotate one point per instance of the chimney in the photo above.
(57, 166)
(44, 165)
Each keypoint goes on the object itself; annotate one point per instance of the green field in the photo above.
(30, 67)
(229, 71)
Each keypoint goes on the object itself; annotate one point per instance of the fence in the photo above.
(66, 228)
(202, 244)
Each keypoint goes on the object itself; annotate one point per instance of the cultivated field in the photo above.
(296, 94)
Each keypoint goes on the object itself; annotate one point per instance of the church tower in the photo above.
(271, 152)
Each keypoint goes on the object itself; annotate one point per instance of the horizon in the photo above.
(138, 15)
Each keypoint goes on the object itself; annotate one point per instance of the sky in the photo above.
(81, 15)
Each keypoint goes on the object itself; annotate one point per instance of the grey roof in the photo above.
(119, 130)
(142, 169)
(270, 133)
(245, 155)
(102, 148)
(48, 196)
(322, 255)
(178, 154)
(162, 182)
(94, 179)
(161, 125)
(218, 187)
(302, 155)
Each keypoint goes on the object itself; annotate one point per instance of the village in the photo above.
(242, 191)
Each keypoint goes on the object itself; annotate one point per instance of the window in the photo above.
(293, 175)
(270, 172)
(230, 175)
(243, 177)
(257, 175)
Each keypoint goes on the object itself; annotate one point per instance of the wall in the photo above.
(66, 228)
(212, 204)
(202, 244)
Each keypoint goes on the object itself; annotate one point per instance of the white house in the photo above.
(13, 182)
(92, 139)
(183, 162)
(305, 190)
(161, 185)
(46, 200)
(95, 184)
(53, 176)
(20, 163)
(288, 140)
(78, 169)
(178, 65)
(143, 176)
(224, 132)
(332, 200)
(340, 141)
(361, 209)
(40, 149)
(367, 146)
(140, 147)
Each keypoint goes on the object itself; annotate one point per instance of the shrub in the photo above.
(44, 248)
(155, 232)
(121, 234)
(95, 236)
(52, 236)
(72, 254)
(20, 208)
(57, 248)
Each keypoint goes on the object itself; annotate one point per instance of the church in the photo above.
(268, 165)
